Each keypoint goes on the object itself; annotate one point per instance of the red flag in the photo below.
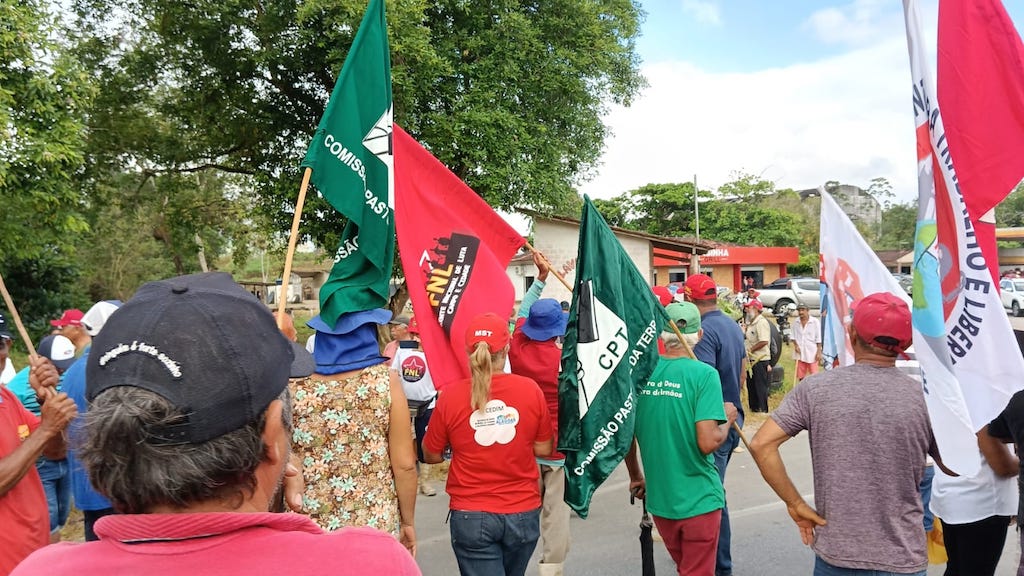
(454, 249)
(981, 93)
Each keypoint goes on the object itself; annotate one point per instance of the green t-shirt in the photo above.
(681, 482)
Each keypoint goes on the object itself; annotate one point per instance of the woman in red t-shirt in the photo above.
(496, 424)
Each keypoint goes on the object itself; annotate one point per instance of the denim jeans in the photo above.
(723, 559)
(487, 544)
(925, 488)
(56, 478)
(822, 568)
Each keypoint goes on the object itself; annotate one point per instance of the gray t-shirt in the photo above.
(869, 435)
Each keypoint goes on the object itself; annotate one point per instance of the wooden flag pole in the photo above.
(550, 267)
(742, 435)
(17, 319)
(282, 295)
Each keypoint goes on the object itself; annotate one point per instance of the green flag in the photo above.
(611, 345)
(353, 168)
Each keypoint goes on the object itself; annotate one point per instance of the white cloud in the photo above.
(704, 11)
(858, 23)
(846, 117)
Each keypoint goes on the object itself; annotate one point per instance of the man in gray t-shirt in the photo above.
(869, 435)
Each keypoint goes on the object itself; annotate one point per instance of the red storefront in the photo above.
(728, 265)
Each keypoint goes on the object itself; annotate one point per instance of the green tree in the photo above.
(43, 96)
(509, 95)
(897, 227)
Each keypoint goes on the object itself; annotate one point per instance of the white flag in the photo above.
(850, 270)
(969, 357)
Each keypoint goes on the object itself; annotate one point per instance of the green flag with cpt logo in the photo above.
(611, 345)
(353, 168)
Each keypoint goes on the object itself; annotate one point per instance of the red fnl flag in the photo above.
(981, 88)
(454, 249)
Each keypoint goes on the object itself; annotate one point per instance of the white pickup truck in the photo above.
(785, 291)
(1011, 292)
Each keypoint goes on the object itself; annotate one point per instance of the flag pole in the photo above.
(742, 435)
(17, 318)
(550, 267)
(282, 295)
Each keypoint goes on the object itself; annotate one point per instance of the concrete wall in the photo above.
(559, 242)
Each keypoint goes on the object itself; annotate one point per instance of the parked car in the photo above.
(778, 295)
(906, 282)
(1011, 292)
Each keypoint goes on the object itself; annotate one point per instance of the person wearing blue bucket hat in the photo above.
(343, 439)
(536, 352)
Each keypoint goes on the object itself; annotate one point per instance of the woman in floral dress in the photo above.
(352, 432)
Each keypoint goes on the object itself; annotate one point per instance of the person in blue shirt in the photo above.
(92, 504)
(721, 348)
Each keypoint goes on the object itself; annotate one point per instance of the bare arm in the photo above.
(637, 483)
(403, 463)
(999, 458)
(711, 433)
(56, 413)
(431, 457)
(543, 448)
(765, 450)
(43, 378)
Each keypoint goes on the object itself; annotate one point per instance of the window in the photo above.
(676, 277)
(808, 284)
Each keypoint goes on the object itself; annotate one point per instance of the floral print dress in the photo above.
(341, 435)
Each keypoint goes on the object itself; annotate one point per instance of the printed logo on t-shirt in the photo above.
(413, 369)
(495, 423)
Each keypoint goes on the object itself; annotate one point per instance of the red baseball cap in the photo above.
(414, 327)
(71, 317)
(701, 287)
(754, 304)
(489, 328)
(883, 320)
(664, 296)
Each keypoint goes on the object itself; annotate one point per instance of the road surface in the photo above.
(765, 540)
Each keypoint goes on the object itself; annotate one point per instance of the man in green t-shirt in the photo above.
(680, 421)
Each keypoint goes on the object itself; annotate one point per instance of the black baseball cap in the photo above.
(203, 343)
(4, 332)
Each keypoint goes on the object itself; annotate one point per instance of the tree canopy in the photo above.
(509, 95)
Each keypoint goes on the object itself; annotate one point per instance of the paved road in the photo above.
(765, 541)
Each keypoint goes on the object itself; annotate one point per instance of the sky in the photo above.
(798, 92)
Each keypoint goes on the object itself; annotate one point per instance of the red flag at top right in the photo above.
(981, 87)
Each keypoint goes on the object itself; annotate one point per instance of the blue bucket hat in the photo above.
(351, 344)
(546, 320)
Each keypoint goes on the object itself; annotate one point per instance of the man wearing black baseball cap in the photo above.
(188, 435)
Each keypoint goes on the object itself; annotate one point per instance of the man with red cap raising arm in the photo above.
(869, 433)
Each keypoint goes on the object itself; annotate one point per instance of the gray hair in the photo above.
(671, 340)
(137, 476)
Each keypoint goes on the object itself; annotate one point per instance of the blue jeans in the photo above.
(723, 558)
(56, 478)
(487, 544)
(926, 497)
(822, 568)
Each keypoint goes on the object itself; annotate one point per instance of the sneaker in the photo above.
(739, 449)
(427, 490)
